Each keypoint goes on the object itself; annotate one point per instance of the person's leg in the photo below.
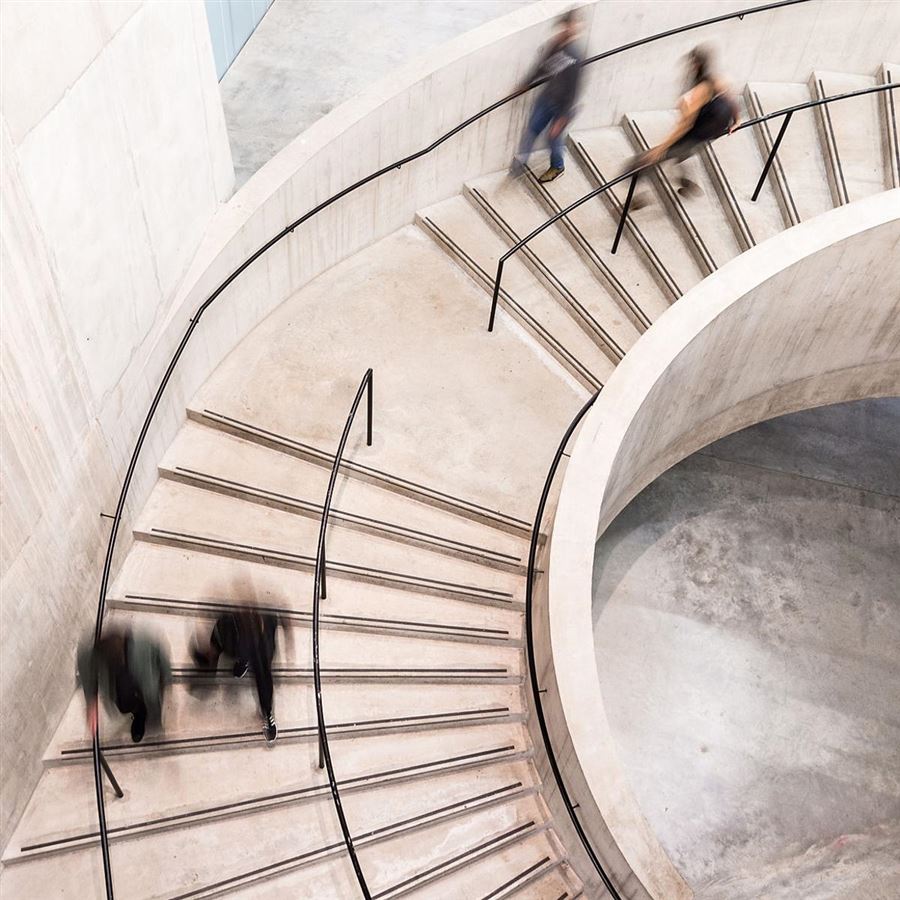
(262, 667)
(679, 152)
(557, 145)
(139, 723)
(540, 118)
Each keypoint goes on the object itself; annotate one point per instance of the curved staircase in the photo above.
(422, 628)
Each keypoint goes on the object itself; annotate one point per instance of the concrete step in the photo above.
(529, 867)
(155, 576)
(179, 790)
(217, 461)
(591, 229)
(889, 73)
(854, 139)
(208, 857)
(202, 717)
(734, 164)
(513, 213)
(344, 655)
(801, 174)
(458, 228)
(256, 433)
(434, 860)
(709, 229)
(603, 153)
(185, 516)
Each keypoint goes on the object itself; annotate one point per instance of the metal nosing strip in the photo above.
(337, 514)
(512, 881)
(334, 618)
(630, 224)
(542, 332)
(266, 800)
(831, 140)
(337, 566)
(551, 276)
(585, 244)
(352, 464)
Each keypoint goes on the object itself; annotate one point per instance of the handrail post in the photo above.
(370, 375)
(112, 778)
(625, 209)
(496, 294)
(772, 153)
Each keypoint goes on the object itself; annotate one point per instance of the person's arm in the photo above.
(537, 70)
(87, 674)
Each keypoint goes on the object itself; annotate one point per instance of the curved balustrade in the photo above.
(194, 322)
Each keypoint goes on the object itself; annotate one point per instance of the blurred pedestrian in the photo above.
(707, 110)
(130, 671)
(554, 107)
(247, 637)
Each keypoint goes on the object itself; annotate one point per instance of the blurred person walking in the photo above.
(246, 636)
(707, 110)
(130, 671)
(554, 107)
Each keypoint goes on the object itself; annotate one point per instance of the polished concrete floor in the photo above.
(307, 57)
(747, 627)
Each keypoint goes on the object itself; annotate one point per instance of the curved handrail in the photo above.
(529, 639)
(195, 320)
(787, 111)
(318, 593)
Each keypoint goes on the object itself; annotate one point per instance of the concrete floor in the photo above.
(308, 56)
(747, 626)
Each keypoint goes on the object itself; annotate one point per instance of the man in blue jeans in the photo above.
(560, 63)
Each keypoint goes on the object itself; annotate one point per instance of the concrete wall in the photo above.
(808, 318)
(114, 161)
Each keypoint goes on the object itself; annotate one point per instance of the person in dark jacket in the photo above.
(130, 671)
(561, 64)
(707, 110)
(246, 636)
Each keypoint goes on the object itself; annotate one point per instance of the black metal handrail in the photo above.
(195, 320)
(318, 595)
(787, 112)
(532, 663)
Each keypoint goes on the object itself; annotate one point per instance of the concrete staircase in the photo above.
(422, 629)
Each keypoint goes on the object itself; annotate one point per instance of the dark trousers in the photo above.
(251, 640)
(129, 698)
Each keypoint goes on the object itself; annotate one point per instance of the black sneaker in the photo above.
(270, 729)
(137, 729)
(240, 668)
(551, 174)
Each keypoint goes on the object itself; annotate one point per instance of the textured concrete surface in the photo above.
(306, 58)
(747, 618)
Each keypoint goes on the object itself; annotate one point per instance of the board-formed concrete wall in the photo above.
(808, 318)
(114, 161)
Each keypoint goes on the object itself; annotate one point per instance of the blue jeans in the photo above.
(542, 116)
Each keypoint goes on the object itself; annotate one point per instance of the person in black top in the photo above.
(247, 636)
(707, 110)
(554, 107)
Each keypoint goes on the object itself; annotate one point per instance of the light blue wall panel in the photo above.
(231, 22)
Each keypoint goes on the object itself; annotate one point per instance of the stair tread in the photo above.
(609, 150)
(598, 227)
(187, 784)
(282, 834)
(198, 716)
(223, 456)
(710, 224)
(742, 163)
(458, 219)
(162, 571)
(175, 508)
(857, 126)
(800, 152)
(510, 199)
(339, 649)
